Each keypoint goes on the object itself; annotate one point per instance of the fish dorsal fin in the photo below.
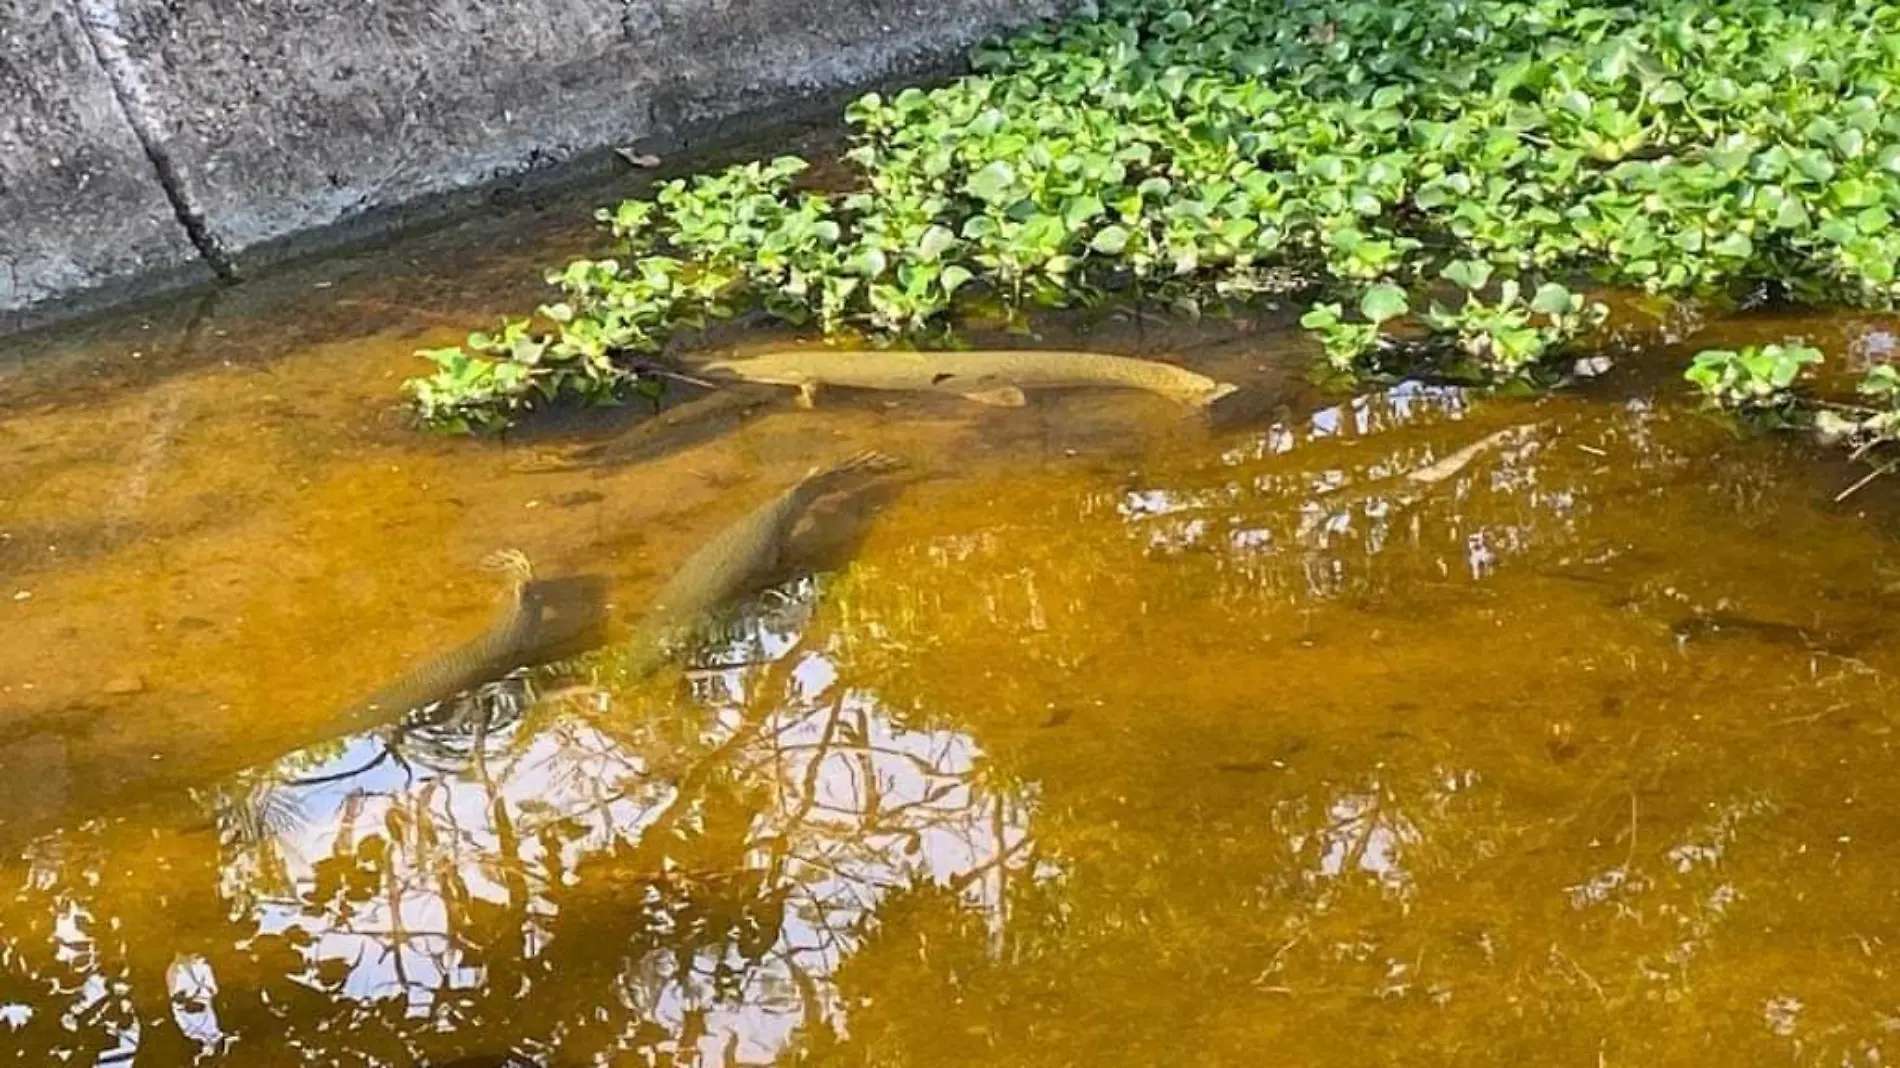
(998, 397)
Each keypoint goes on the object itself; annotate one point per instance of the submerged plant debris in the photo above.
(1463, 166)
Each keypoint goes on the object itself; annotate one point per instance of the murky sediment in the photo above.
(1109, 736)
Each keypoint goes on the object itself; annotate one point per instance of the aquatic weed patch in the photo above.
(1757, 379)
(1458, 167)
(1764, 387)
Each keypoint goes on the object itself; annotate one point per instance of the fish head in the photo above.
(731, 366)
(784, 367)
(1205, 396)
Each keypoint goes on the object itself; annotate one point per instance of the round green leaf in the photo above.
(1111, 240)
(1383, 302)
(996, 182)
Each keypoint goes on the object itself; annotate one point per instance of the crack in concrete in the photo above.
(100, 21)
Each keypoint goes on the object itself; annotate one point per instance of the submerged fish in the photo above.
(996, 377)
(512, 641)
(737, 561)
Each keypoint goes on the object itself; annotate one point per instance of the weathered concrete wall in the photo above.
(79, 204)
(141, 136)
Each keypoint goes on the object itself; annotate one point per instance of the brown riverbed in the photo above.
(1111, 736)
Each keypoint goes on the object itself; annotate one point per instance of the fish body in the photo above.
(996, 376)
(497, 651)
(737, 561)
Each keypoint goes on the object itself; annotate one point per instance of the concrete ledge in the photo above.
(208, 134)
(79, 204)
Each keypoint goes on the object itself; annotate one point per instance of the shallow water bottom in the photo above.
(1100, 736)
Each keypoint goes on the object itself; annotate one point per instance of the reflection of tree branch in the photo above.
(922, 763)
(1004, 855)
(867, 763)
(812, 1013)
(785, 864)
(813, 766)
(339, 776)
(1000, 921)
(696, 778)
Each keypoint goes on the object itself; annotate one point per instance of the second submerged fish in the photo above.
(737, 561)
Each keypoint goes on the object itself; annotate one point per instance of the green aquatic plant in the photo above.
(1346, 344)
(1758, 378)
(1509, 336)
(1182, 152)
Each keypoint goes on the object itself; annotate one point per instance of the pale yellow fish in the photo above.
(993, 376)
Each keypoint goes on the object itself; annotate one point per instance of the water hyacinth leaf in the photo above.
(1434, 194)
(953, 278)
(1792, 215)
(1083, 209)
(868, 262)
(1813, 165)
(1319, 317)
(1881, 381)
(1736, 246)
(936, 241)
(1471, 274)
(1554, 299)
(995, 182)
(1111, 240)
(1383, 302)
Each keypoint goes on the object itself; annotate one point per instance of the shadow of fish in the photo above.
(667, 431)
(1714, 626)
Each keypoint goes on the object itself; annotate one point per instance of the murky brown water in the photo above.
(1113, 739)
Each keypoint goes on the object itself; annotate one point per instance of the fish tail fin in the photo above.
(510, 562)
(868, 462)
